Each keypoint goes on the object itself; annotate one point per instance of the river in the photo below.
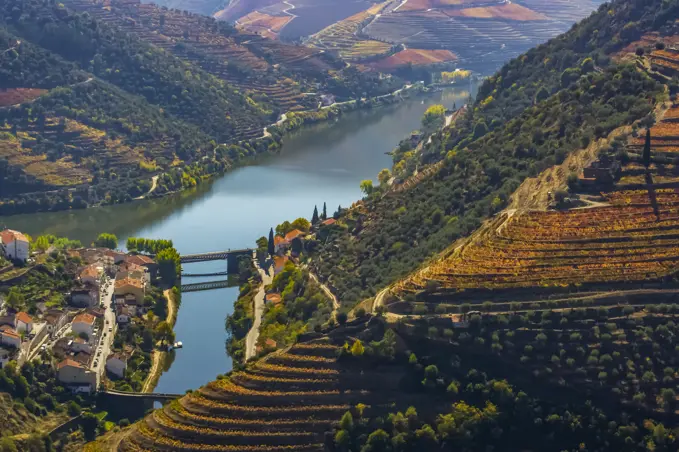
(319, 163)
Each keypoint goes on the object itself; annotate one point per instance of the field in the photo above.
(505, 11)
(342, 37)
(263, 24)
(423, 5)
(416, 57)
(14, 96)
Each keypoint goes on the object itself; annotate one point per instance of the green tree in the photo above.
(164, 332)
(271, 247)
(383, 177)
(302, 224)
(41, 243)
(106, 240)
(169, 265)
(646, 156)
(325, 212)
(357, 349)
(314, 216)
(367, 186)
(15, 299)
(378, 441)
(347, 421)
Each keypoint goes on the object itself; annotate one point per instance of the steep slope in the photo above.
(537, 109)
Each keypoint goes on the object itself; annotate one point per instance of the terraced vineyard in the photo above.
(16, 96)
(344, 38)
(285, 401)
(244, 61)
(481, 34)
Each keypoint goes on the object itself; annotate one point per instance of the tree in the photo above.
(378, 441)
(106, 240)
(367, 186)
(271, 249)
(646, 156)
(384, 177)
(314, 216)
(302, 224)
(15, 299)
(73, 408)
(41, 243)
(324, 216)
(347, 421)
(169, 265)
(164, 332)
(357, 349)
(341, 318)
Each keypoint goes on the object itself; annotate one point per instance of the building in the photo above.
(132, 286)
(85, 296)
(117, 364)
(279, 264)
(92, 274)
(71, 372)
(327, 99)
(132, 270)
(55, 319)
(83, 323)
(294, 234)
(274, 298)
(123, 314)
(144, 261)
(81, 345)
(329, 222)
(23, 323)
(280, 244)
(9, 337)
(14, 245)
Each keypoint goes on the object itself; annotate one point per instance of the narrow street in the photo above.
(103, 347)
(253, 334)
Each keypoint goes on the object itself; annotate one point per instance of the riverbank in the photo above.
(158, 357)
(201, 171)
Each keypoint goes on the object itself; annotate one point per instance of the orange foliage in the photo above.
(417, 57)
(510, 11)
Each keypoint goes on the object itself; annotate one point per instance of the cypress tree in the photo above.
(647, 149)
(314, 217)
(270, 247)
(325, 212)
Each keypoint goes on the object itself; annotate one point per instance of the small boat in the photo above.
(178, 344)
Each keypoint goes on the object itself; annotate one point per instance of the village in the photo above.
(82, 329)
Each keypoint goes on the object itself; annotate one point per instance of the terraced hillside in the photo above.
(343, 37)
(285, 401)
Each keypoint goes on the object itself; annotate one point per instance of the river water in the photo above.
(319, 163)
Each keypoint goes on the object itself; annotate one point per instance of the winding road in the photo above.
(326, 290)
(258, 308)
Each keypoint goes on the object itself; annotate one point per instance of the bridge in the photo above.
(232, 258)
(209, 285)
(146, 396)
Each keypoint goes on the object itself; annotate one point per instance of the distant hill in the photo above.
(97, 99)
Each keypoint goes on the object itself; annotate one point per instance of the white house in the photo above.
(23, 322)
(55, 320)
(123, 314)
(72, 372)
(83, 323)
(117, 364)
(14, 245)
(85, 296)
(9, 337)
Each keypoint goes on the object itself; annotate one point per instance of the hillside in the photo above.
(97, 100)
(531, 115)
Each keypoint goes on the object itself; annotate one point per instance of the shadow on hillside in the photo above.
(652, 195)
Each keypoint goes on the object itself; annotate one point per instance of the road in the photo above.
(326, 289)
(253, 334)
(103, 347)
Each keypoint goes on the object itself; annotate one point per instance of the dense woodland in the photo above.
(539, 107)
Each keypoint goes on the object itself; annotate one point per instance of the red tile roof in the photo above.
(280, 261)
(9, 235)
(279, 240)
(293, 234)
(329, 222)
(139, 259)
(129, 282)
(69, 362)
(84, 318)
(9, 331)
(24, 317)
(274, 298)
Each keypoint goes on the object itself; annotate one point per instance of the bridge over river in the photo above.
(233, 259)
